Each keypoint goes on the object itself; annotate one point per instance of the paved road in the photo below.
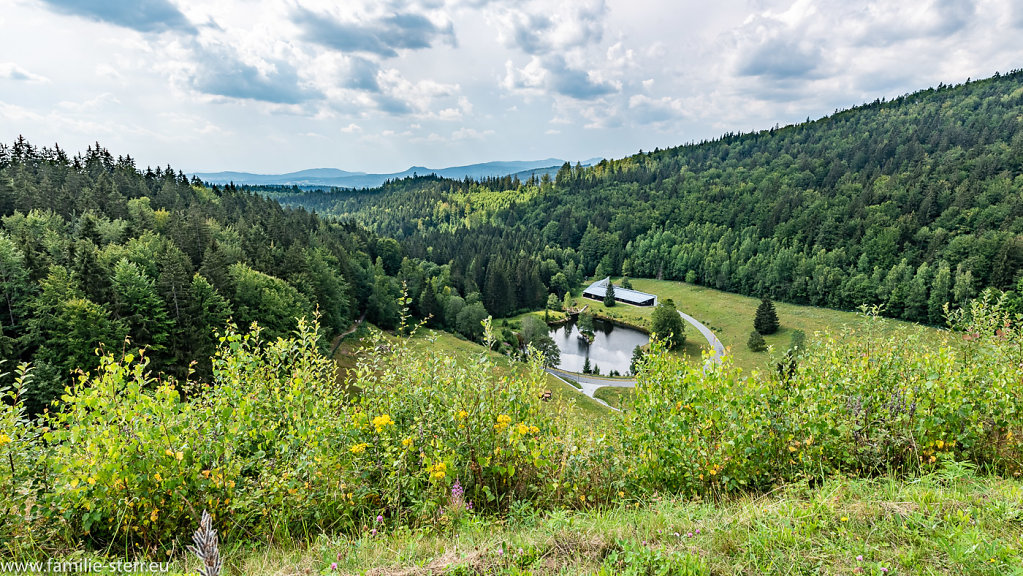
(719, 349)
(589, 384)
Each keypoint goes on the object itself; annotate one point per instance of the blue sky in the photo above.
(280, 85)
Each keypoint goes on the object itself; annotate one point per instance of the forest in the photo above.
(908, 203)
(96, 253)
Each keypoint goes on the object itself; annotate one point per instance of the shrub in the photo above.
(756, 342)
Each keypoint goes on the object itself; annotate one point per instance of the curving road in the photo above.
(712, 339)
(589, 384)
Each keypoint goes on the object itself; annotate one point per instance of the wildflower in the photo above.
(4, 439)
(407, 442)
(940, 444)
(462, 414)
(438, 471)
(333, 566)
(621, 494)
(179, 456)
(382, 421)
(689, 534)
(92, 481)
(884, 569)
(697, 531)
(845, 518)
(373, 532)
(503, 421)
(457, 491)
(859, 558)
(169, 452)
(534, 430)
(522, 429)
(500, 551)
(158, 477)
(152, 517)
(338, 556)
(359, 448)
(380, 518)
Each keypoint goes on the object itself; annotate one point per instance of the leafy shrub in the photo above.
(862, 403)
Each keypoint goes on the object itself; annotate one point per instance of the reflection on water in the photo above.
(611, 348)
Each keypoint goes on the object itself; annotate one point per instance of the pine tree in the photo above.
(766, 320)
(609, 295)
(756, 342)
(586, 366)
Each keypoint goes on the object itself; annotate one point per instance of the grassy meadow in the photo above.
(950, 522)
(730, 316)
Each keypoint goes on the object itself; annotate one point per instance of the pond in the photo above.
(611, 348)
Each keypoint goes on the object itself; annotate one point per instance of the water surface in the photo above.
(611, 348)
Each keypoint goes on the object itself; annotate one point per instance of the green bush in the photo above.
(862, 403)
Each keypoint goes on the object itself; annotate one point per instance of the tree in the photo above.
(668, 325)
(567, 302)
(470, 320)
(637, 360)
(586, 366)
(267, 300)
(205, 312)
(532, 330)
(626, 283)
(766, 320)
(553, 302)
(756, 342)
(940, 293)
(139, 307)
(609, 295)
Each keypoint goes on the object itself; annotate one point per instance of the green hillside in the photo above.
(907, 203)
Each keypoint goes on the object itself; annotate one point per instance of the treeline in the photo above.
(907, 203)
(94, 250)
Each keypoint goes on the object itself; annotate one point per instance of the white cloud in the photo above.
(11, 71)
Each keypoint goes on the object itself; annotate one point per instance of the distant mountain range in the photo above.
(333, 177)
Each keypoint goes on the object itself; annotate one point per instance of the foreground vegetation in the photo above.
(947, 522)
(279, 452)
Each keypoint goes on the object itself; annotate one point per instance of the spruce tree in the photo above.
(756, 342)
(766, 320)
(609, 295)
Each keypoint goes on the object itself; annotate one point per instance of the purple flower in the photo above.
(697, 530)
(373, 532)
(380, 518)
(457, 491)
(338, 556)
(644, 542)
(500, 551)
(689, 534)
(883, 569)
(677, 535)
(468, 505)
(333, 566)
(859, 558)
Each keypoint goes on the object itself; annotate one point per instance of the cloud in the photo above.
(382, 36)
(646, 110)
(140, 15)
(11, 71)
(362, 75)
(219, 71)
(552, 73)
(536, 29)
(781, 58)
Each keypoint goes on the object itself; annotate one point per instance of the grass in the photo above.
(615, 396)
(946, 523)
(582, 407)
(730, 317)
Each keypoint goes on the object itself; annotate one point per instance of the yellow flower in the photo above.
(792, 449)
(522, 429)
(359, 448)
(845, 518)
(381, 421)
(91, 481)
(941, 444)
(503, 421)
(179, 456)
(158, 477)
(169, 452)
(621, 494)
(407, 442)
(463, 414)
(152, 517)
(533, 429)
(4, 439)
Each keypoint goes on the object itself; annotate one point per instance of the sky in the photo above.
(272, 86)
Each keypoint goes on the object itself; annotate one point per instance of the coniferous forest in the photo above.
(94, 251)
(907, 203)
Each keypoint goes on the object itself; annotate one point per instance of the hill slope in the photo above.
(907, 203)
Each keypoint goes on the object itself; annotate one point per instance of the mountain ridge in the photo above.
(337, 178)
